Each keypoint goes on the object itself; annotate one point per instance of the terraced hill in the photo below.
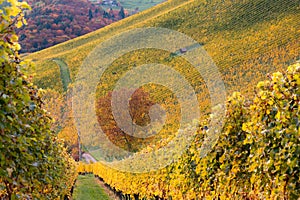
(247, 39)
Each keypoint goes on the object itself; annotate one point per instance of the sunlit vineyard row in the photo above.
(256, 156)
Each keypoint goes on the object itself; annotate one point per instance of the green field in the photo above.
(132, 5)
(87, 188)
(141, 4)
(64, 73)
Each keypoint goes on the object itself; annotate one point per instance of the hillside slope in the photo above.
(247, 40)
(239, 36)
(47, 73)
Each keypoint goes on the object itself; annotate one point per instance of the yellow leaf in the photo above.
(18, 47)
(25, 5)
(14, 38)
(277, 115)
(270, 102)
(19, 24)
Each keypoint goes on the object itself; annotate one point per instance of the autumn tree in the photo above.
(139, 106)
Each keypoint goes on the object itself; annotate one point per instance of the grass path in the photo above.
(64, 73)
(87, 188)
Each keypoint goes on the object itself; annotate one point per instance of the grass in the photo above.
(141, 4)
(64, 73)
(131, 5)
(88, 189)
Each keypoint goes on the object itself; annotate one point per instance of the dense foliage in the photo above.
(256, 156)
(139, 110)
(51, 22)
(58, 107)
(33, 162)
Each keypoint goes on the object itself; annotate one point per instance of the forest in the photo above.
(52, 22)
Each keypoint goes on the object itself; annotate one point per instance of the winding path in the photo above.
(88, 158)
(103, 192)
(64, 73)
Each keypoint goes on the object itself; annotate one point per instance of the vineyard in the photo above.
(240, 43)
(224, 38)
(34, 164)
(253, 43)
(256, 156)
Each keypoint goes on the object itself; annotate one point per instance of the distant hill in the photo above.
(54, 21)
